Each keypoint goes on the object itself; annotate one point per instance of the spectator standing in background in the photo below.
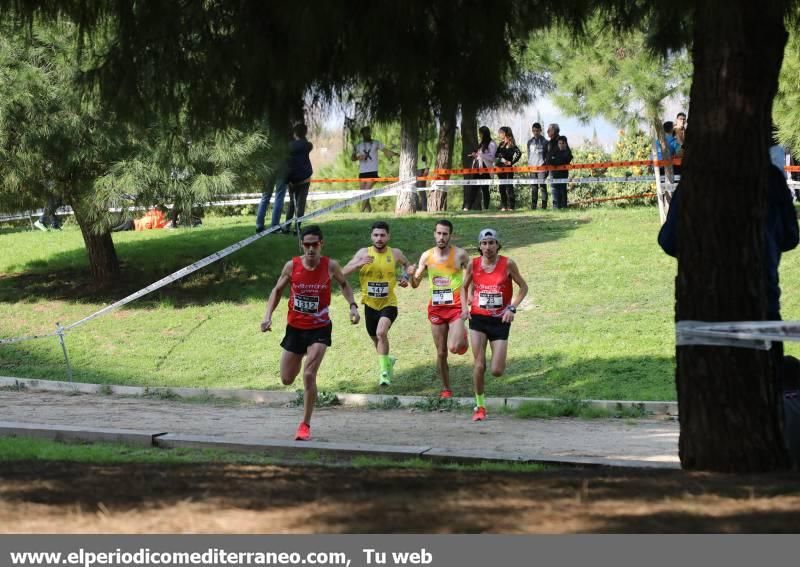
(562, 156)
(508, 155)
(299, 172)
(483, 157)
(680, 128)
(537, 155)
(366, 153)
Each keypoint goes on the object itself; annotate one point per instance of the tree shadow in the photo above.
(250, 272)
(160, 497)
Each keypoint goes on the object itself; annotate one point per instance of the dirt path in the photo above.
(67, 497)
(653, 440)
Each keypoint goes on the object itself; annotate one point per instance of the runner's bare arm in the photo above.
(513, 271)
(360, 258)
(462, 258)
(421, 267)
(275, 296)
(336, 273)
(401, 259)
(466, 291)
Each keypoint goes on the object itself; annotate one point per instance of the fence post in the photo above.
(659, 189)
(60, 331)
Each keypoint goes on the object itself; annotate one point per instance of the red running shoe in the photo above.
(479, 415)
(303, 432)
(444, 394)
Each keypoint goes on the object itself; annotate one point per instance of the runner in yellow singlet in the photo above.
(377, 267)
(448, 307)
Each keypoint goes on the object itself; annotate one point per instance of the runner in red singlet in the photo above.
(492, 309)
(308, 329)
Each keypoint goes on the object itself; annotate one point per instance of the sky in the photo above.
(520, 122)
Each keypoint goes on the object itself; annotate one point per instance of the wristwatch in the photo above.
(354, 305)
(512, 308)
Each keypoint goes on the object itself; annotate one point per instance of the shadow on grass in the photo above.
(632, 378)
(252, 271)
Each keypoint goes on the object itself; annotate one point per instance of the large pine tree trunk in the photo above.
(409, 141)
(729, 398)
(103, 262)
(444, 154)
(469, 141)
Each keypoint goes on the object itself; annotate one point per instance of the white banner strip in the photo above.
(28, 338)
(745, 334)
(537, 181)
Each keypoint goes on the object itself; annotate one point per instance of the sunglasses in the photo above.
(311, 244)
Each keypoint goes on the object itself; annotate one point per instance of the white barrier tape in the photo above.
(236, 199)
(537, 181)
(230, 250)
(745, 334)
(28, 338)
(213, 258)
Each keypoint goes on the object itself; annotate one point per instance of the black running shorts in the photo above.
(492, 327)
(298, 340)
(372, 316)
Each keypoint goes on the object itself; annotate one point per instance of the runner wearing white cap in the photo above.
(492, 309)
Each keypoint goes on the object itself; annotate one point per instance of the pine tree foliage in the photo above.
(786, 107)
(611, 73)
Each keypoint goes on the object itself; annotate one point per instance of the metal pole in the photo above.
(60, 331)
(659, 189)
(293, 194)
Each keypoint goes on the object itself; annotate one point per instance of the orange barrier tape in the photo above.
(354, 179)
(439, 174)
(792, 168)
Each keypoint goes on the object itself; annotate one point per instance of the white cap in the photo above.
(488, 234)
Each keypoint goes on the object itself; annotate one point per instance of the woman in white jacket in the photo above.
(483, 157)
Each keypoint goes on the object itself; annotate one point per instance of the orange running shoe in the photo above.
(480, 414)
(303, 432)
(444, 394)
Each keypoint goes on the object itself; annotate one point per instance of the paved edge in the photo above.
(77, 433)
(273, 397)
(306, 449)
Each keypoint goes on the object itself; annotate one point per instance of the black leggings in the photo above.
(297, 193)
(508, 198)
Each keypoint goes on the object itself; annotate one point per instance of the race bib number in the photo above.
(442, 297)
(489, 300)
(306, 303)
(378, 289)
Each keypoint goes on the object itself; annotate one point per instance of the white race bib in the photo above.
(306, 303)
(490, 300)
(442, 297)
(378, 289)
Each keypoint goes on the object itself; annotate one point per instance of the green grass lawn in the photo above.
(598, 322)
(15, 449)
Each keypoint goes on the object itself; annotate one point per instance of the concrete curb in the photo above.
(82, 434)
(304, 449)
(274, 397)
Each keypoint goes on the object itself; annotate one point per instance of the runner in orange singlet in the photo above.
(447, 308)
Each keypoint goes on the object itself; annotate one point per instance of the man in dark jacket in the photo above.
(780, 232)
(299, 173)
